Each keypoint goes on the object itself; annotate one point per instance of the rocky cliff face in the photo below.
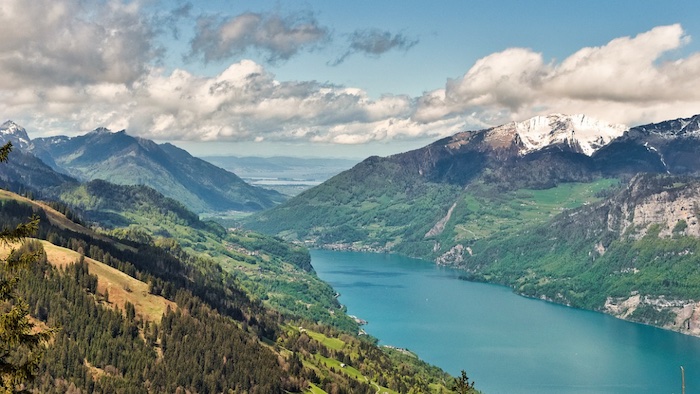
(672, 206)
(685, 313)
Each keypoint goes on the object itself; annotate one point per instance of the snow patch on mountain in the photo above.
(670, 129)
(580, 132)
(661, 157)
(11, 131)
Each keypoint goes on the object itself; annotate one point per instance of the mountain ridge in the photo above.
(132, 307)
(632, 254)
(452, 199)
(580, 133)
(11, 131)
(124, 159)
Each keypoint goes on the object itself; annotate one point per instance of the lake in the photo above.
(506, 343)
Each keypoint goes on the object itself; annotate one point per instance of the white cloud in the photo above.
(624, 81)
(72, 42)
(93, 65)
(243, 102)
(624, 70)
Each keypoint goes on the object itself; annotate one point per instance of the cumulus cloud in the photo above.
(242, 103)
(245, 102)
(624, 81)
(374, 42)
(48, 43)
(91, 75)
(280, 37)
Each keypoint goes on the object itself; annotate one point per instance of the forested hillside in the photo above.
(277, 272)
(48, 166)
(378, 204)
(493, 202)
(213, 336)
(634, 254)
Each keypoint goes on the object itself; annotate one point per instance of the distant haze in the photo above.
(287, 175)
(290, 149)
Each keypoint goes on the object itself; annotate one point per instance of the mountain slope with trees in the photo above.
(634, 255)
(123, 159)
(217, 332)
(474, 198)
(42, 166)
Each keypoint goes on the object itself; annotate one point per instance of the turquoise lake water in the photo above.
(505, 343)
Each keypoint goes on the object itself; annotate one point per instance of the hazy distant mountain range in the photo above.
(122, 159)
(282, 167)
(288, 175)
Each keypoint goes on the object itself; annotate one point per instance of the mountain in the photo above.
(146, 312)
(576, 133)
(390, 203)
(669, 146)
(123, 159)
(12, 132)
(24, 172)
(472, 200)
(633, 255)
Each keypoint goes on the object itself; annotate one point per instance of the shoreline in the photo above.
(694, 315)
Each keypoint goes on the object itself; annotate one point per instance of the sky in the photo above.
(326, 78)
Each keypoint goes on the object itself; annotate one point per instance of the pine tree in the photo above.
(461, 384)
(20, 344)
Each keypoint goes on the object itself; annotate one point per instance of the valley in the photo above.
(153, 274)
(508, 343)
(566, 221)
(572, 225)
(266, 197)
(287, 175)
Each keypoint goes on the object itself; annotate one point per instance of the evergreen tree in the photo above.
(462, 385)
(20, 345)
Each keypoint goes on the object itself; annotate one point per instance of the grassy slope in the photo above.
(58, 219)
(484, 212)
(269, 269)
(375, 364)
(354, 366)
(120, 286)
(376, 205)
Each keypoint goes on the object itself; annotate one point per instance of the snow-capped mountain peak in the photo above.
(11, 131)
(580, 133)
